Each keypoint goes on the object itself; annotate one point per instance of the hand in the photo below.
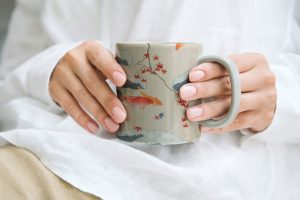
(258, 99)
(78, 84)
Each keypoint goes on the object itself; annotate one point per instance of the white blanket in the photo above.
(229, 166)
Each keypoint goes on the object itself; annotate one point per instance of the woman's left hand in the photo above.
(258, 99)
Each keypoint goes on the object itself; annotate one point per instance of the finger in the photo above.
(70, 105)
(99, 88)
(243, 121)
(102, 59)
(89, 103)
(222, 86)
(208, 71)
(249, 101)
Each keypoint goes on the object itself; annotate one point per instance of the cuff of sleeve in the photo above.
(283, 128)
(39, 76)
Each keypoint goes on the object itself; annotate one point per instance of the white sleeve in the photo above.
(29, 55)
(32, 77)
(285, 127)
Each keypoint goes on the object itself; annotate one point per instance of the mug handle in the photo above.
(233, 111)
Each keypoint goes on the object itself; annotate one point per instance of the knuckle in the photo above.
(89, 43)
(269, 116)
(59, 71)
(72, 57)
(68, 105)
(109, 101)
(226, 84)
(243, 105)
(81, 117)
(207, 110)
(260, 58)
(201, 90)
(52, 91)
(269, 78)
(95, 54)
(92, 80)
(236, 124)
(99, 114)
(272, 96)
(80, 93)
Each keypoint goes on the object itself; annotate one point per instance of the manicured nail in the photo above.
(110, 125)
(118, 78)
(206, 129)
(119, 114)
(187, 91)
(92, 127)
(197, 75)
(195, 112)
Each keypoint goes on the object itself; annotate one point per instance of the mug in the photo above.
(155, 72)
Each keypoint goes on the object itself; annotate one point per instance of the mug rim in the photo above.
(160, 43)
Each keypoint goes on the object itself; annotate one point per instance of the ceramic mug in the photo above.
(155, 73)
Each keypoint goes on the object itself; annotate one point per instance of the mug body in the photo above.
(155, 72)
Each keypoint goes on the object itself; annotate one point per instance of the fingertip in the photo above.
(119, 78)
(119, 114)
(196, 75)
(187, 91)
(92, 127)
(110, 125)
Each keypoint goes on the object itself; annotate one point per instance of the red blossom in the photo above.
(182, 102)
(138, 129)
(143, 71)
(159, 65)
(137, 76)
(185, 125)
(144, 80)
(149, 69)
(183, 119)
(157, 69)
(147, 54)
(155, 57)
(156, 117)
(164, 71)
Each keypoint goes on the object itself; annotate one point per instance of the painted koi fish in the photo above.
(144, 99)
(155, 100)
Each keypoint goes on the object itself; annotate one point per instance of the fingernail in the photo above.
(119, 114)
(206, 129)
(197, 75)
(92, 127)
(118, 78)
(187, 91)
(195, 112)
(110, 125)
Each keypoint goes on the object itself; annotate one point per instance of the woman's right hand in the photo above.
(78, 84)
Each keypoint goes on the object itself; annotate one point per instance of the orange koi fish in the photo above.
(155, 100)
(144, 100)
(178, 46)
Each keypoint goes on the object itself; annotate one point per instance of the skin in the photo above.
(78, 84)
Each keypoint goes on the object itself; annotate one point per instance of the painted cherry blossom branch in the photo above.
(148, 53)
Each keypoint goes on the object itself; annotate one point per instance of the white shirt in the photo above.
(228, 166)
